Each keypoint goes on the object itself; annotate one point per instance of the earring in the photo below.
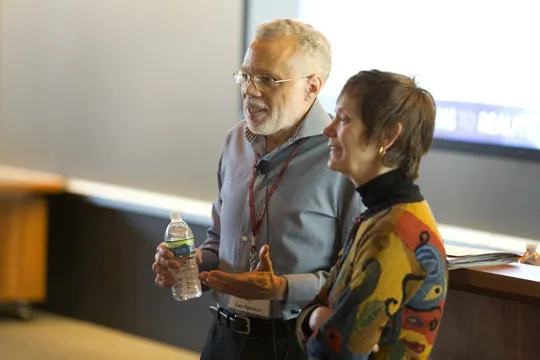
(382, 151)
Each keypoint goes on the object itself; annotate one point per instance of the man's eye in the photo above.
(265, 80)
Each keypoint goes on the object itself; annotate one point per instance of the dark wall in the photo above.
(486, 193)
(100, 270)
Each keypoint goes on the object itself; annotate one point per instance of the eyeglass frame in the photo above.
(250, 77)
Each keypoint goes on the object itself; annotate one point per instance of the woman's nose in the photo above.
(330, 130)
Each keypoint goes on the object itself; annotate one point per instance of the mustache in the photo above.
(255, 103)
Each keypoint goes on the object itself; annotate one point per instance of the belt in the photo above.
(245, 325)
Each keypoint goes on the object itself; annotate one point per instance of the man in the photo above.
(276, 191)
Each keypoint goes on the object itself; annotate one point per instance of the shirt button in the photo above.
(244, 238)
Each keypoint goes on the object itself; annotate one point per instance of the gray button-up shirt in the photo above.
(307, 219)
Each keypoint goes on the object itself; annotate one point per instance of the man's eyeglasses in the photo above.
(263, 83)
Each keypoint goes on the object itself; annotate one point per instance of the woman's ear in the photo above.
(392, 136)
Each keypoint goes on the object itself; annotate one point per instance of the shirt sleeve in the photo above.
(349, 207)
(302, 288)
(210, 247)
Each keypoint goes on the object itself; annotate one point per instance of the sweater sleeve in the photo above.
(384, 277)
(303, 331)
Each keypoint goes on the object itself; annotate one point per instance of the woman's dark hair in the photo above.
(385, 99)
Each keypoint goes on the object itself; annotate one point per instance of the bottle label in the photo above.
(181, 247)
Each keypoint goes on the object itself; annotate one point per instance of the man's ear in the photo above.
(313, 87)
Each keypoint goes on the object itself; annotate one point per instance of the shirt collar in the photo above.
(313, 123)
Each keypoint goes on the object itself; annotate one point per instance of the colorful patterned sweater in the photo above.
(389, 285)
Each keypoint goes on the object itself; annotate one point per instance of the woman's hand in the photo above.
(318, 317)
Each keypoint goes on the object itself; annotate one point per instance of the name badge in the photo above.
(259, 308)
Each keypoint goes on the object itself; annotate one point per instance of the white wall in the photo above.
(104, 89)
(130, 92)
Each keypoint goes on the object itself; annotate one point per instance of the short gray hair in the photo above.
(311, 41)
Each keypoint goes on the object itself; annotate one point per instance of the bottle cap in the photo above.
(176, 215)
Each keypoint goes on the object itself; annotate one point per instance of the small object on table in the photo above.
(531, 256)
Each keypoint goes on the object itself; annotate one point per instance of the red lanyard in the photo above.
(255, 225)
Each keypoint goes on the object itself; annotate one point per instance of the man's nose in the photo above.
(250, 89)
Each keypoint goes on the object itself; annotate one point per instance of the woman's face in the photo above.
(350, 152)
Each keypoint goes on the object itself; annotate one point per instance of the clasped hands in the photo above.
(320, 316)
(261, 284)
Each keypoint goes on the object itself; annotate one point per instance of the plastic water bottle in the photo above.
(179, 239)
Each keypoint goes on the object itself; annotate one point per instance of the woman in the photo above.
(389, 285)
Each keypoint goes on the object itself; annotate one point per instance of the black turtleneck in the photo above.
(388, 189)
